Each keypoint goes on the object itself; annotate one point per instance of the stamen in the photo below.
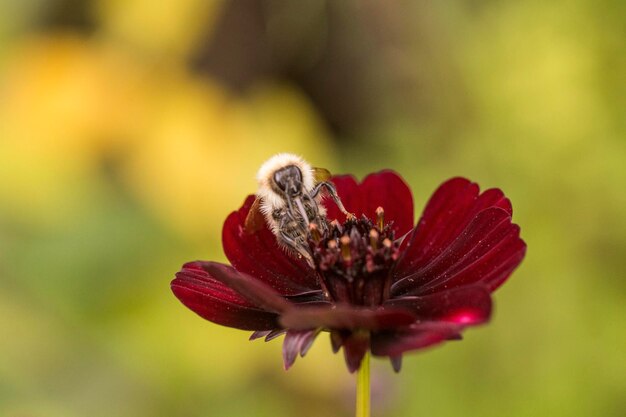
(374, 239)
(345, 248)
(335, 225)
(370, 266)
(315, 232)
(380, 217)
(355, 259)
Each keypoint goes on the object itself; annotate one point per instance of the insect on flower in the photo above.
(289, 200)
(372, 280)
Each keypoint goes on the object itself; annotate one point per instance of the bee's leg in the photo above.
(294, 246)
(288, 239)
(317, 218)
(303, 225)
(332, 191)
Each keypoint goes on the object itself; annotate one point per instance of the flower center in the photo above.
(354, 259)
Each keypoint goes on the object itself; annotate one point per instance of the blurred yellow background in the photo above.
(130, 129)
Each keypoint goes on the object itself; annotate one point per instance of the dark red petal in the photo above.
(480, 253)
(336, 340)
(455, 203)
(418, 336)
(258, 254)
(214, 301)
(388, 190)
(497, 272)
(297, 342)
(345, 317)
(384, 189)
(309, 297)
(491, 268)
(348, 191)
(468, 305)
(355, 346)
(256, 292)
(494, 197)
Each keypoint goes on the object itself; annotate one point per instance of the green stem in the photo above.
(363, 388)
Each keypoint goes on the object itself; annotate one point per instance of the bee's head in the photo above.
(288, 181)
(282, 177)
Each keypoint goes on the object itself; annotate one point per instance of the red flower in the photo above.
(378, 283)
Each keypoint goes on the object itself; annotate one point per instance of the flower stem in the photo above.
(363, 388)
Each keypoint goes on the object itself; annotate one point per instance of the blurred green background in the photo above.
(130, 129)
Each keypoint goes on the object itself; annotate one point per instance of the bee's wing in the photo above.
(321, 174)
(254, 220)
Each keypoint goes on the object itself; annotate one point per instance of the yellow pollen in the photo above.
(345, 248)
(380, 217)
(315, 233)
(374, 239)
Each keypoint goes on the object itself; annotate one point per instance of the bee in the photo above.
(289, 201)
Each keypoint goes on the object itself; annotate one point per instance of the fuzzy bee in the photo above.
(289, 201)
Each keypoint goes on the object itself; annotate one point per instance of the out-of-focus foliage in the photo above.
(129, 130)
